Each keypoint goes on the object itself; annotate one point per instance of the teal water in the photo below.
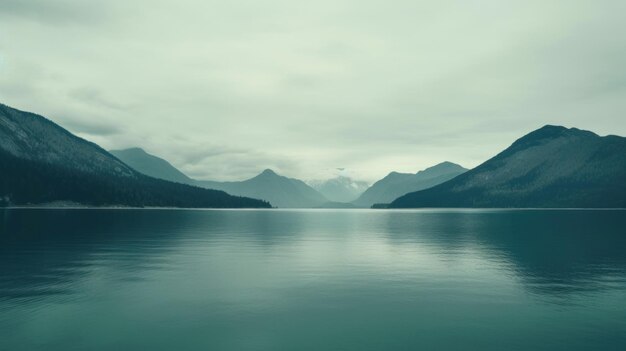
(312, 280)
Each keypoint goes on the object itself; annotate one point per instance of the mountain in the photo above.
(340, 189)
(397, 184)
(550, 167)
(151, 165)
(280, 191)
(43, 163)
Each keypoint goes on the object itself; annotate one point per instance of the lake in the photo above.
(127, 279)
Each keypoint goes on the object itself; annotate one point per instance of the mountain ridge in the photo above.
(396, 184)
(268, 185)
(151, 165)
(552, 166)
(44, 163)
(281, 191)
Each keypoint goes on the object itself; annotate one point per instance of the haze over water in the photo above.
(312, 279)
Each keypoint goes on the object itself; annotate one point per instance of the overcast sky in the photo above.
(225, 89)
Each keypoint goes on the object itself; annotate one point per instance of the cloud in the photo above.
(95, 98)
(226, 89)
(87, 127)
(56, 12)
(211, 162)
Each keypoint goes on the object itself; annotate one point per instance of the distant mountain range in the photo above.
(397, 184)
(44, 163)
(280, 191)
(340, 189)
(550, 167)
(287, 192)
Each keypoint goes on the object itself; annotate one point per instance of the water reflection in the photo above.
(46, 251)
(43, 252)
(555, 253)
(311, 280)
(552, 252)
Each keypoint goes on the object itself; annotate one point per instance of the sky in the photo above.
(312, 89)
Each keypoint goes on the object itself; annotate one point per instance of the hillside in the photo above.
(279, 190)
(151, 165)
(397, 184)
(550, 167)
(43, 163)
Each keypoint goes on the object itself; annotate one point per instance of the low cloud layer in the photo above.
(226, 89)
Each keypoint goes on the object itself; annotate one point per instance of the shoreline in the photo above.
(429, 209)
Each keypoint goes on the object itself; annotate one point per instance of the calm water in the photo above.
(312, 280)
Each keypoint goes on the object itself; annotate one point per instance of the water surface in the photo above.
(85, 279)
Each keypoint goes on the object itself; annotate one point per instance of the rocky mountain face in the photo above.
(551, 167)
(42, 163)
(28, 136)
